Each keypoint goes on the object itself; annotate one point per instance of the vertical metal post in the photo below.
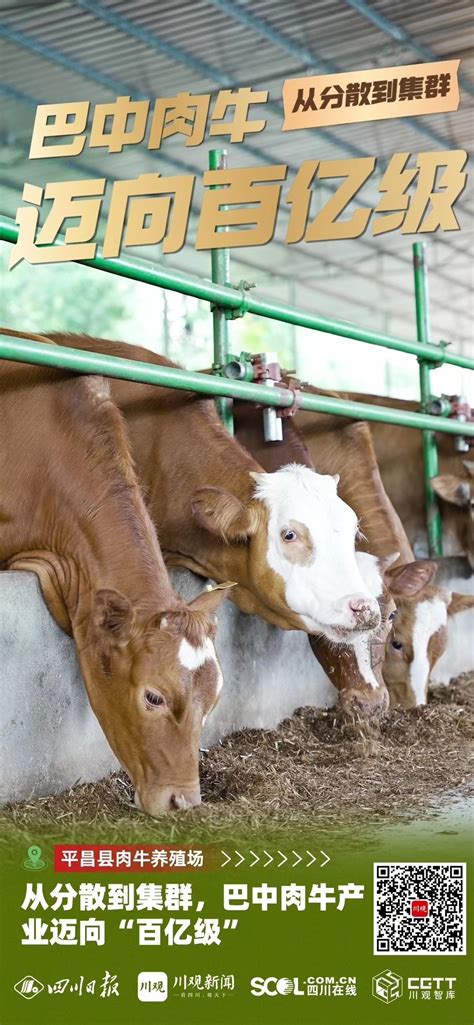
(293, 330)
(166, 326)
(430, 450)
(220, 272)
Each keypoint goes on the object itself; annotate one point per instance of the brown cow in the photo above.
(419, 635)
(354, 669)
(403, 479)
(71, 511)
(285, 537)
(220, 515)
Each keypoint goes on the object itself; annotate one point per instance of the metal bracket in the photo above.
(243, 287)
(238, 368)
(284, 411)
(428, 360)
(452, 407)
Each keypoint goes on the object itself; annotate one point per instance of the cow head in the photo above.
(419, 635)
(299, 539)
(152, 681)
(459, 491)
(355, 669)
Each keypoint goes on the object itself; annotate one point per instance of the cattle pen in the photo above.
(235, 377)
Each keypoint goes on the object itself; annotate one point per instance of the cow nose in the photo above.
(169, 798)
(184, 799)
(357, 604)
(366, 610)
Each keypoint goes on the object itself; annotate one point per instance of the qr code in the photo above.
(419, 908)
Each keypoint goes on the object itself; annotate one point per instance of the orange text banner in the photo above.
(315, 101)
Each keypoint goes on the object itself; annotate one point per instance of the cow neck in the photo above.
(118, 550)
(202, 454)
(89, 528)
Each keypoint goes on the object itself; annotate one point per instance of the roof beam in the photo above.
(131, 29)
(49, 53)
(311, 61)
(396, 32)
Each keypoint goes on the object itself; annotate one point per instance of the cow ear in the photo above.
(223, 514)
(452, 489)
(197, 620)
(113, 616)
(210, 599)
(460, 602)
(411, 578)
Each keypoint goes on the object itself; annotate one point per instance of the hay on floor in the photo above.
(314, 771)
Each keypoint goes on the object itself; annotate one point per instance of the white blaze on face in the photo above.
(317, 586)
(193, 658)
(430, 615)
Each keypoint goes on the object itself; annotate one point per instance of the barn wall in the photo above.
(50, 737)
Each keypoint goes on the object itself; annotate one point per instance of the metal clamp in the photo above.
(239, 368)
(453, 407)
(284, 411)
(243, 287)
(428, 360)
(266, 369)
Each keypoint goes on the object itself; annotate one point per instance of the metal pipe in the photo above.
(220, 270)
(430, 448)
(24, 350)
(232, 299)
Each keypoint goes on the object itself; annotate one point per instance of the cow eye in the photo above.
(392, 616)
(153, 700)
(289, 535)
(397, 645)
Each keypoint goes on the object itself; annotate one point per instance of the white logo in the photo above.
(152, 987)
(28, 987)
(387, 986)
(436, 982)
(273, 987)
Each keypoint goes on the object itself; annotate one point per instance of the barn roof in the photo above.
(83, 49)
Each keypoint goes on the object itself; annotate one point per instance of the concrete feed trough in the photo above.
(50, 737)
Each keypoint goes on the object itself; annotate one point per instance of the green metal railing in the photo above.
(237, 302)
(430, 448)
(220, 269)
(227, 302)
(24, 350)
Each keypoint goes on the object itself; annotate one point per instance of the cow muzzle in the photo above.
(363, 703)
(357, 612)
(169, 798)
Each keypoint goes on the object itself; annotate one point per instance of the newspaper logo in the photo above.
(28, 987)
(152, 987)
(387, 986)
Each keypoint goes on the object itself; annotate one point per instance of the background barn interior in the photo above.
(80, 49)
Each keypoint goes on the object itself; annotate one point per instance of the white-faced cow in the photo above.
(419, 635)
(287, 539)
